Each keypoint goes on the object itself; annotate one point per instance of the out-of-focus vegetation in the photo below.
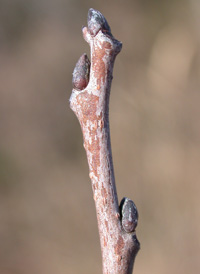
(47, 214)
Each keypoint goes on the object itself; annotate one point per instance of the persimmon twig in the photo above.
(90, 102)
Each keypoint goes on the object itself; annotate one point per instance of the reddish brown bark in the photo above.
(90, 102)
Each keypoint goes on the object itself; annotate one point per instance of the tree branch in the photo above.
(90, 102)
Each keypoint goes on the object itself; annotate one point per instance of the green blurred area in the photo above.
(47, 213)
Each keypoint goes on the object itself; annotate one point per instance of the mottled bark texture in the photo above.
(90, 102)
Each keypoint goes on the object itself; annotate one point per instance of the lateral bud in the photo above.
(81, 73)
(129, 215)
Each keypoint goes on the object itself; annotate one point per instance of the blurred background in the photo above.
(47, 214)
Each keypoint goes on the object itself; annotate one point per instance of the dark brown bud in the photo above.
(129, 215)
(96, 22)
(81, 73)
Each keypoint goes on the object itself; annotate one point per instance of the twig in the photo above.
(90, 102)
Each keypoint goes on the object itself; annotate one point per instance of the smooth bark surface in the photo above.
(90, 102)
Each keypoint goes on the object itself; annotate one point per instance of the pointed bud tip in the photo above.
(96, 22)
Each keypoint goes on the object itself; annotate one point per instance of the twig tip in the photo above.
(96, 22)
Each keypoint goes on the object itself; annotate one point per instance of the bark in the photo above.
(90, 102)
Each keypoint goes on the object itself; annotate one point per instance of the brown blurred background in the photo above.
(47, 215)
